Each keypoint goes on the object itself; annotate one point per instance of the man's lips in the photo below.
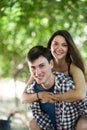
(39, 77)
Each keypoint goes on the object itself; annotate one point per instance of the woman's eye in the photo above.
(55, 43)
(65, 45)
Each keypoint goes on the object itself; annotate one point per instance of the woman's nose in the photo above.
(59, 47)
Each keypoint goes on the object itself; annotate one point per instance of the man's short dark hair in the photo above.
(38, 51)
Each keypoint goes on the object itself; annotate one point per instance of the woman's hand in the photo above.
(47, 97)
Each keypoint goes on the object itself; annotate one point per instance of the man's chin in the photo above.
(39, 82)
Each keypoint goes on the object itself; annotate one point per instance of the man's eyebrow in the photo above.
(42, 64)
(38, 65)
(32, 66)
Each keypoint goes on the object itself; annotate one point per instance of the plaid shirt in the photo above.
(66, 113)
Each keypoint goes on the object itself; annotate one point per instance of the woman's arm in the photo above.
(79, 92)
(43, 96)
(76, 94)
(26, 98)
(30, 80)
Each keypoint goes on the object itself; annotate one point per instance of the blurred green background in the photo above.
(24, 24)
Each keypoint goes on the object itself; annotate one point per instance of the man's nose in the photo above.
(38, 71)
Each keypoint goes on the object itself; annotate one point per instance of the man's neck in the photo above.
(49, 83)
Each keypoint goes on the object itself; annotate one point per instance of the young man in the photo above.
(42, 94)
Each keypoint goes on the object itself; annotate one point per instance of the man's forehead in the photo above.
(38, 61)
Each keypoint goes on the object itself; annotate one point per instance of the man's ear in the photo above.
(51, 63)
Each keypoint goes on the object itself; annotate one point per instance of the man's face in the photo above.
(41, 70)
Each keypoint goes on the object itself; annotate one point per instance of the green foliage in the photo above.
(25, 23)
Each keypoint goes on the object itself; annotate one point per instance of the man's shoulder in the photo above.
(30, 88)
(60, 74)
(63, 82)
(63, 77)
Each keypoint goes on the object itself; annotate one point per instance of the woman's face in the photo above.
(59, 47)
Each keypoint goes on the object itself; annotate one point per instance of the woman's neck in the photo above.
(61, 66)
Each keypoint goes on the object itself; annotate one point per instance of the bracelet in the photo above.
(37, 96)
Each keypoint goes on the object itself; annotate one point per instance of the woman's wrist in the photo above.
(37, 96)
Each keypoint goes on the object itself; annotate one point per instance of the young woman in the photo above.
(67, 59)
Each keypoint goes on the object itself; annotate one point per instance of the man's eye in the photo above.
(42, 66)
(32, 68)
